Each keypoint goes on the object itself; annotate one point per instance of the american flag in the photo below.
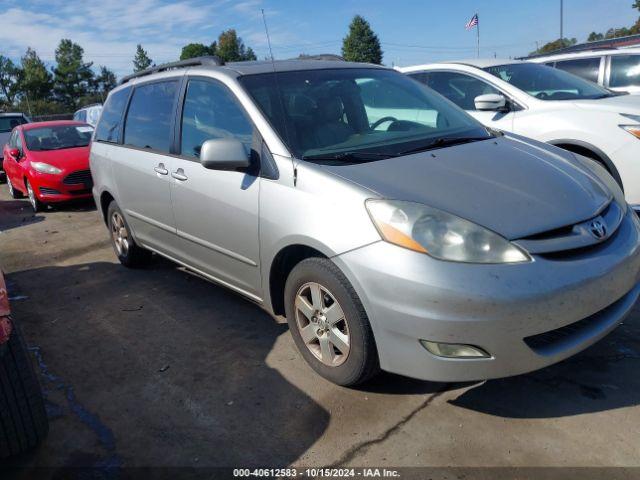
(472, 23)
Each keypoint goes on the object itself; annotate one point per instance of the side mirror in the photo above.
(490, 102)
(224, 154)
(15, 153)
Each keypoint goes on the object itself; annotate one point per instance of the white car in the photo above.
(549, 105)
(617, 69)
(89, 114)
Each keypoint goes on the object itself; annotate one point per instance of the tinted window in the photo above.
(586, 68)
(625, 71)
(12, 140)
(58, 137)
(8, 123)
(80, 116)
(148, 123)
(211, 111)
(108, 129)
(459, 88)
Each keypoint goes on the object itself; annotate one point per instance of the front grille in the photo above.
(548, 343)
(81, 177)
(48, 191)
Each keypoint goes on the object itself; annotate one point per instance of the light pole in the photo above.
(561, 19)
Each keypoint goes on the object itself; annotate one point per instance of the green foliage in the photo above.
(141, 60)
(231, 48)
(9, 79)
(361, 44)
(193, 50)
(555, 45)
(36, 82)
(593, 37)
(72, 76)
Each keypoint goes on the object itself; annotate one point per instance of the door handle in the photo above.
(160, 169)
(179, 175)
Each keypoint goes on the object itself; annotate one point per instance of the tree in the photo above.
(72, 77)
(141, 61)
(555, 45)
(361, 44)
(231, 48)
(35, 82)
(193, 50)
(636, 4)
(9, 79)
(593, 36)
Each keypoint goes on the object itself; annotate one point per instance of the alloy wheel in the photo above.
(120, 234)
(32, 197)
(322, 324)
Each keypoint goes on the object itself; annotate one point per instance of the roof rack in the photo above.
(207, 60)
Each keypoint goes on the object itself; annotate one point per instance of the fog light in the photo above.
(454, 350)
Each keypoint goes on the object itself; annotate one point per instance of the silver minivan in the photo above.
(390, 228)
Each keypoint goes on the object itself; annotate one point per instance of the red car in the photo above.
(23, 419)
(49, 162)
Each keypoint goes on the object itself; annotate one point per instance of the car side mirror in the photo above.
(490, 102)
(15, 153)
(224, 154)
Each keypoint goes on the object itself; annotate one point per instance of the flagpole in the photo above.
(478, 33)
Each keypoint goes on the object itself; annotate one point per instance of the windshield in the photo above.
(58, 137)
(546, 83)
(369, 113)
(9, 123)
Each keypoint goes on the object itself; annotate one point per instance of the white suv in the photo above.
(616, 69)
(549, 105)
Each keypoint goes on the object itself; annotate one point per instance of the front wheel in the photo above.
(128, 251)
(12, 190)
(328, 323)
(36, 204)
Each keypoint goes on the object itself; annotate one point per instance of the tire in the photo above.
(12, 191)
(23, 418)
(130, 254)
(36, 204)
(361, 361)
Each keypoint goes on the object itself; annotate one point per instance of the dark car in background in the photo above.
(8, 121)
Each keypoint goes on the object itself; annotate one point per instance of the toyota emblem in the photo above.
(598, 229)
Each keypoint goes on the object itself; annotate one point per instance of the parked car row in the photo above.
(393, 229)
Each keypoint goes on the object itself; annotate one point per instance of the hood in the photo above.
(511, 187)
(618, 104)
(67, 159)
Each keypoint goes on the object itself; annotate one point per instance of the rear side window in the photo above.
(625, 71)
(211, 111)
(587, 68)
(8, 123)
(108, 129)
(80, 116)
(150, 116)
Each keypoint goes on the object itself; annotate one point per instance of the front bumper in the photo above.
(52, 189)
(410, 296)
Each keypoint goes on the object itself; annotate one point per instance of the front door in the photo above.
(216, 211)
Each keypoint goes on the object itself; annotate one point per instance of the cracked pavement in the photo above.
(158, 367)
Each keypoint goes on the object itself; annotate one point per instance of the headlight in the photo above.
(45, 168)
(440, 234)
(632, 129)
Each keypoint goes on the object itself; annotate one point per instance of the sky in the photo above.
(410, 31)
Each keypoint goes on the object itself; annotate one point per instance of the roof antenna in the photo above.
(280, 95)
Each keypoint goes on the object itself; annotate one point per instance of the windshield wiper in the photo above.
(443, 142)
(353, 156)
